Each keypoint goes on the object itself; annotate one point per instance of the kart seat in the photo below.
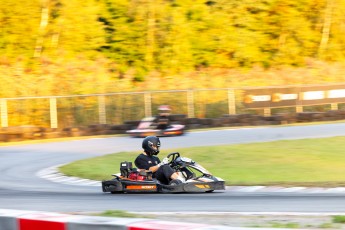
(146, 173)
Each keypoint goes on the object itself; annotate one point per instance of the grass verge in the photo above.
(306, 162)
(339, 219)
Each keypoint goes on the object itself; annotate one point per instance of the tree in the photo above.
(19, 23)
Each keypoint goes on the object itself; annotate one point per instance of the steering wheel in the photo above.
(173, 156)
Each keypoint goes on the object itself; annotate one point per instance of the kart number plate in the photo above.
(141, 187)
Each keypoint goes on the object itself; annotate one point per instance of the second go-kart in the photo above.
(197, 179)
(147, 127)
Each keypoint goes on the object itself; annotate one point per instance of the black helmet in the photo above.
(151, 145)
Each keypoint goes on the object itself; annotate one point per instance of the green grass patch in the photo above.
(339, 219)
(326, 226)
(117, 213)
(122, 214)
(307, 162)
(284, 225)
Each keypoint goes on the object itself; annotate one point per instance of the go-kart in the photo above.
(148, 127)
(197, 179)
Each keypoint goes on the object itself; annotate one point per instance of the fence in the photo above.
(116, 108)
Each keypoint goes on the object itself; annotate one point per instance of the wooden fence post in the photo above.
(267, 112)
(334, 106)
(53, 113)
(4, 114)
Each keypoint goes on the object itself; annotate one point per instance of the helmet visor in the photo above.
(154, 147)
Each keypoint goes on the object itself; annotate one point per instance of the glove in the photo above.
(165, 161)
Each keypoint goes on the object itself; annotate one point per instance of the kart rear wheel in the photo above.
(115, 192)
(209, 191)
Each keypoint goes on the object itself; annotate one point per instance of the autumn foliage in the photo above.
(68, 47)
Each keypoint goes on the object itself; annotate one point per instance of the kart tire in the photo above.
(115, 192)
(209, 191)
(175, 182)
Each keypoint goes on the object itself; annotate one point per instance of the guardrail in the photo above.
(116, 108)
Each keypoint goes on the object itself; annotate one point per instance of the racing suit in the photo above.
(164, 172)
(162, 121)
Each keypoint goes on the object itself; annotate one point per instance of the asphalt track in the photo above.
(21, 187)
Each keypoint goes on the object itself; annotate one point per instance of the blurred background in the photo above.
(78, 62)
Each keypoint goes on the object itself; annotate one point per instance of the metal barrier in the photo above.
(116, 108)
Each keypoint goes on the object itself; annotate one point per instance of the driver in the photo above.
(149, 161)
(163, 117)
